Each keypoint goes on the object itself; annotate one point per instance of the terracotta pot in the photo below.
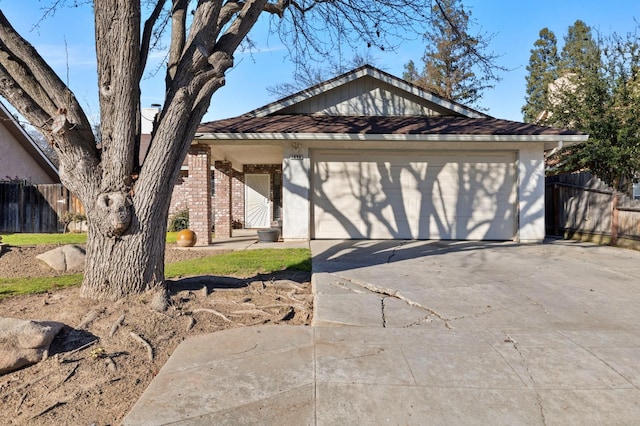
(186, 238)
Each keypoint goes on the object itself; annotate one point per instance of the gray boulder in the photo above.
(24, 342)
(64, 258)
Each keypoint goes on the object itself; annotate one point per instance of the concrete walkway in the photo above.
(427, 333)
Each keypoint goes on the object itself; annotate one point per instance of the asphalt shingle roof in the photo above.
(414, 125)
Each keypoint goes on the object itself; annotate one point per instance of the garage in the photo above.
(461, 195)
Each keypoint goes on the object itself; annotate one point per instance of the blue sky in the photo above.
(67, 39)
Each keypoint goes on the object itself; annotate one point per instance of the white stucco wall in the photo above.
(531, 193)
(296, 185)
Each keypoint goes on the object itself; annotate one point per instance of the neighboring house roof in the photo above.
(27, 143)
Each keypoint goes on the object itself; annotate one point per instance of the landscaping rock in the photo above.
(65, 258)
(24, 342)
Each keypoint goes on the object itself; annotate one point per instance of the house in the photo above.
(367, 155)
(20, 156)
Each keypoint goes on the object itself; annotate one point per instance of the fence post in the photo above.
(556, 209)
(614, 219)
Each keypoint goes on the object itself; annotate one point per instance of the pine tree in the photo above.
(543, 71)
(580, 52)
(451, 67)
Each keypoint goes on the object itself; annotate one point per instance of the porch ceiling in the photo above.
(239, 155)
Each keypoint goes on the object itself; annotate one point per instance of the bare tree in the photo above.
(127, 203)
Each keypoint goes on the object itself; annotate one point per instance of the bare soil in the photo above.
(108, 352)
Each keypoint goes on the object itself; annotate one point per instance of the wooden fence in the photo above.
(581, 206)
(35, 208)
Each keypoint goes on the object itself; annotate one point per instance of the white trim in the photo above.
(205, 138)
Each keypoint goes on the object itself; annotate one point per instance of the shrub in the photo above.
(179, 220)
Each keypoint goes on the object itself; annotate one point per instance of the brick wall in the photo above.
(199, 192)
(237, 200)
(229, 188)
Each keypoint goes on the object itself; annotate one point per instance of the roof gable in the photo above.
(366, 91)
(26, 143)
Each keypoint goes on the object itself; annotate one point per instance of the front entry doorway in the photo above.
(257, 202)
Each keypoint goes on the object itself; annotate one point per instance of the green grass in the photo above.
(246, 263)
(18, 286)
(35, 239)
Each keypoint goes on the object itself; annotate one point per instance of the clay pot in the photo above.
(186, 238)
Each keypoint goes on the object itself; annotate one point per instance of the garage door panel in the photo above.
(419, 195)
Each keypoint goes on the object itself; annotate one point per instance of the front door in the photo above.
(257, 203)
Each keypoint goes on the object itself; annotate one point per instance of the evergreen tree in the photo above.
(451, 67)
(543, 71)
(580, 52)
(602, 100)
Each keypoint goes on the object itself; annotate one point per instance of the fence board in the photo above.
(35, 208)
(582, 203)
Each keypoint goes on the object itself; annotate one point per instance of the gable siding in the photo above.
(17, 163)
(365, 96)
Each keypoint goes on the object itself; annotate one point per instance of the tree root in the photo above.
(71, 373)
(85, 346)
(191, 323)
(49, 408)
(144, 343)
(88, 319)
(115, 326)
(250, 312)
(212, 311)
(22, 398)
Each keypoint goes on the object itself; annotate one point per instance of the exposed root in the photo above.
(191, 323)
(144, 343)
(214, 312)
(115, 326)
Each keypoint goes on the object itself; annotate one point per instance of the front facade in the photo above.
(369, 156)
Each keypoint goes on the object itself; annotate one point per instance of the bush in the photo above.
(179, 220)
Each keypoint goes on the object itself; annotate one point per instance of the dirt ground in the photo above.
(107, 353)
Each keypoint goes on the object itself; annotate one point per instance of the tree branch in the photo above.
(146, 35)
(178, 37)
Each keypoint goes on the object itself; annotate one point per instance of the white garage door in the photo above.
(414, 195)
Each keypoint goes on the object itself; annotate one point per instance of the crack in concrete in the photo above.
(384, 319)
(395, 250)
(514, 343)
(396, 295)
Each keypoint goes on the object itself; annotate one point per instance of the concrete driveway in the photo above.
(425, 332)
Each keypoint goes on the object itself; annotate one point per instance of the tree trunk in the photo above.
(117, 267)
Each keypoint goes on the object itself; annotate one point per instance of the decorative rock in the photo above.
(24, 342)
(64, 258)
(186, 238)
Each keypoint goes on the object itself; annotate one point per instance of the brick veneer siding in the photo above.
(229, 191)
(223, 175)
(180, 196)
(237, 200)
(199, 193)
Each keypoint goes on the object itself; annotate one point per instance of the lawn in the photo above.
(242, 264)
(71, 238)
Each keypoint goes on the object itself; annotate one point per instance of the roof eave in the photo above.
(551, 141)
